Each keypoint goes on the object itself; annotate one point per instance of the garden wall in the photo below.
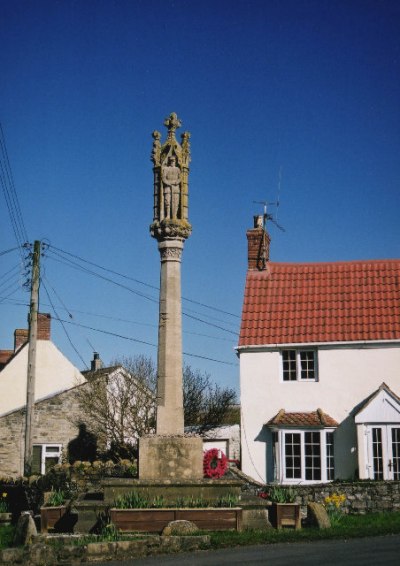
(361, 497)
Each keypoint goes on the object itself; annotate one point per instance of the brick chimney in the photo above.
(44, 322)
(258, 241)
(5, 356)
(43, 332)
(20, 338)
(96, 363)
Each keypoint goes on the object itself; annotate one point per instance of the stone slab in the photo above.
(170, 458)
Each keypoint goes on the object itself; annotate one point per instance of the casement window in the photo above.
(299, 365)
(305, 456)
(45, 456)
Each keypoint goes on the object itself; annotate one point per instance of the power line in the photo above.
(141, 282)
(70, 263)
(131, 339)
(63, 327)
(8, 251)
(11, 197)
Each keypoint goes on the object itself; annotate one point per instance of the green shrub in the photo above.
(56, 498)
(279, 494)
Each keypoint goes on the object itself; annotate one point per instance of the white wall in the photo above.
(54, 373)
(225, 438)
(347, 375)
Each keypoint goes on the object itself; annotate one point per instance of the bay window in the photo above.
(304, 456)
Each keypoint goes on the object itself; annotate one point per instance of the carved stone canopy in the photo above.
(171, 170)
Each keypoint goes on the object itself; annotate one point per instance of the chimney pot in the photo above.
(96, 362)
(258, 221)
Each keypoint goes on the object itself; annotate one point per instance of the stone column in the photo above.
(169, 384)
(169, 455)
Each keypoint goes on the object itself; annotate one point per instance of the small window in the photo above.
(45, 456)
(299, 365)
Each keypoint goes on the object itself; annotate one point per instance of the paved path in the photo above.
(377, 551)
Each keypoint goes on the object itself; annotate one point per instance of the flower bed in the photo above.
(154, 520)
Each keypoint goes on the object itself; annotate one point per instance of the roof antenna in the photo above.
(267, 216)
(266, 204)
(271, 218)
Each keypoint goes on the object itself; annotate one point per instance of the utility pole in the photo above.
(31, 375)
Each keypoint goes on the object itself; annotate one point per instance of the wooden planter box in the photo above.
(285, 515)
(154, 520)
(50, 516)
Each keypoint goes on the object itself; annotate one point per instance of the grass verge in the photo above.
(6, 536)
(350, 526)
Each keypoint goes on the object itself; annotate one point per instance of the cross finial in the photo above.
(172, 122)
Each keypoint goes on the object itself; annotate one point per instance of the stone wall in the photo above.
(361, 497)
(54, 423)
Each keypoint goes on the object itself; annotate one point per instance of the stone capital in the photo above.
(171, 250)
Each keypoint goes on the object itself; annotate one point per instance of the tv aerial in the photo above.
(267, 216)
(266, 204)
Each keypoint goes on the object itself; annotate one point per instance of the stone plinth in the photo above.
(170, 458)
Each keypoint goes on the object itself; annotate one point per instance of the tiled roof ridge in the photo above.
(325, 263)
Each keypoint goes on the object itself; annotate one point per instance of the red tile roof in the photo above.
(316, 419)
(321, 302)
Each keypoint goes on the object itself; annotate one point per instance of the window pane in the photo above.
(307, 364)
(37, 460)
(289, 365)
(53, 449)
(330, 468)
(377, 457)
(292, 455)
(312, 450)
(50, 463)
(396, 453)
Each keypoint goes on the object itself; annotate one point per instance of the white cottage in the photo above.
(319, 352)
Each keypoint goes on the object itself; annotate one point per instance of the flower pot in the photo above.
(5, 519)
(50, 516)
(154, 520)
(285, 515)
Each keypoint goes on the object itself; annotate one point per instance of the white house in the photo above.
(54, 374)
(319, 352)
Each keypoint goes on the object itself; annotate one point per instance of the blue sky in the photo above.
(308, 87)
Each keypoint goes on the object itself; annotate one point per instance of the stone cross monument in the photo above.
(169, 454)
(171, 228)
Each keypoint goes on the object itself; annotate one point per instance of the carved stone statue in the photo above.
(171, 179)
(171, 171)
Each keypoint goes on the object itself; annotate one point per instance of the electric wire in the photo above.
(131, 339)
(70, 263)
(10, 272)
(11, 197)
(62, 324)
(141, 282)
(10, 295)
(8, 251)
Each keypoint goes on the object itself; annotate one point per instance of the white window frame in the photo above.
(298, 353)
(48, 451)
(280, 451)
(388, 468)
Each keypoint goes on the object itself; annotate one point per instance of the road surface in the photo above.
(377, 551)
